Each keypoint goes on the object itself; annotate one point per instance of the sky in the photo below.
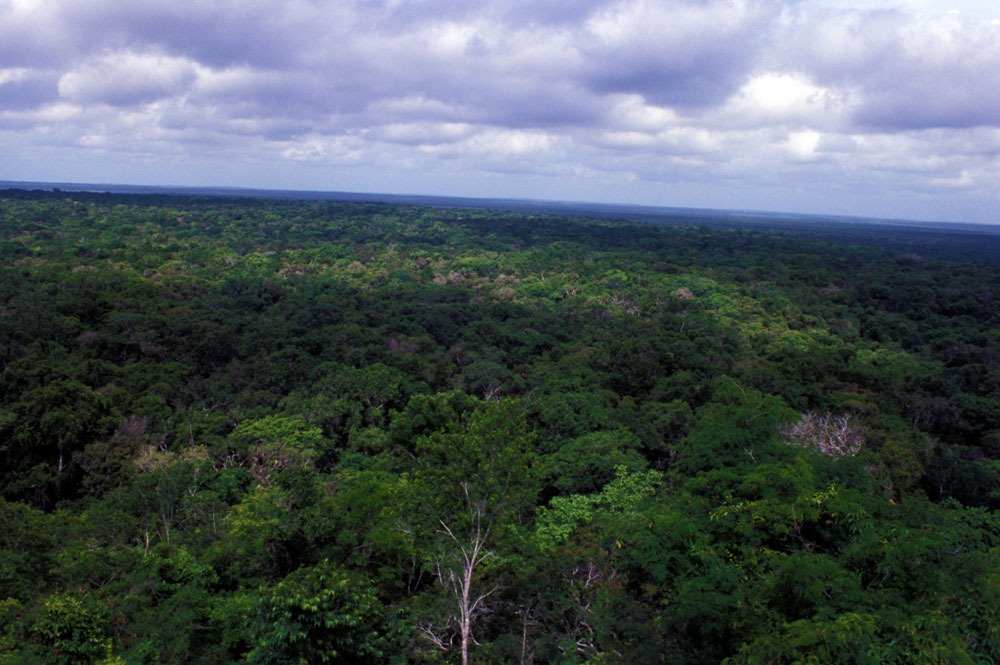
(880, 108)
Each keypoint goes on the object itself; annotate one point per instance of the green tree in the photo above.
(588, 463)
(322, 614)
(71, 631)
(266, 446)
(475, 484)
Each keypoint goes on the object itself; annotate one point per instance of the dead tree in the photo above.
(834, 436)
(457, 570)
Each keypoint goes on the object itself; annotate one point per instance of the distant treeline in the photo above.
(943, 240)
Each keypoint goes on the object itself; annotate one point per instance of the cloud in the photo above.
(21, 88)
(423, 133)
(124, 79)
(685, 54)
(755, 92)
(907, 72)
(498, 143)
(803, 144)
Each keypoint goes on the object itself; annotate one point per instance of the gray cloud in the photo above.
(686, 54)
(22, 89)
(908, 73)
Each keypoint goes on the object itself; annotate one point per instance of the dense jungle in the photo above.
(269, 431)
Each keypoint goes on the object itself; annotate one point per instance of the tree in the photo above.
(475, 483)
(269, 445)
(322, 614)
(71, 630)
(588, 463)
(457, 569)
(830, 435)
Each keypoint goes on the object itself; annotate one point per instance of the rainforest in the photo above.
(238, 430)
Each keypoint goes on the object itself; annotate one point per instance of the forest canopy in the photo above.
(272, 431)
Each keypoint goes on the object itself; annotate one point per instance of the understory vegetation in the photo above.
(283, 432)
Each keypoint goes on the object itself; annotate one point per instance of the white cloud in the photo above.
(803, 144)
(498, 143)
(126, 78)
(339, 149)
(785, 95)
(633, 112)
(423, 133)
(965, 179)
(415, 106)
(12, 74)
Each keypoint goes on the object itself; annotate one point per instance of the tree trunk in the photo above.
(468, 557)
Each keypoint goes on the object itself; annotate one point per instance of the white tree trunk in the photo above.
(458, 576)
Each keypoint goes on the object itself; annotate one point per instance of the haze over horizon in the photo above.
(873, 109)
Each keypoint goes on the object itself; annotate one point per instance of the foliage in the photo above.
(321, 614)
(271, 431)
(70, 630)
